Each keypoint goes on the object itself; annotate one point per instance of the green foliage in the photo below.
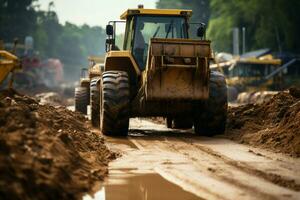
(16, 19)
(269, 23)
(201, 11)
(169, 4)
(77, 43)
(70, 43)
(220, 39)
(200, 8)
(47, 33)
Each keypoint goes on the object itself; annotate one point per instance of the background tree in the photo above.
(200, 7)
(70, 43)
(201, 11)
(17, 19)
(269, 23)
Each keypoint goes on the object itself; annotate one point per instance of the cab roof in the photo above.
(142, 11)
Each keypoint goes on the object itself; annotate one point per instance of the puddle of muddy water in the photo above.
(135, 181)
(139, 187)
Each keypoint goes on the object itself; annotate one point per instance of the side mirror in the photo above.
(109, 30)
(201, 31)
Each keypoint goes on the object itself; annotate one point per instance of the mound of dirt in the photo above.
(53, 99)
(47, 152)
(274, 124)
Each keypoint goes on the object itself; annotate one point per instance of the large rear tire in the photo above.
(183, 123)
(211, 119)
(95, 101)
(114, 103)
(81, 99)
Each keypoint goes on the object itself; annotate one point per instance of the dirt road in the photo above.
(195, 167)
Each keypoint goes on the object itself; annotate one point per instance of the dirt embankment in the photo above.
(274, 124)
(47, 152)
(63, 95)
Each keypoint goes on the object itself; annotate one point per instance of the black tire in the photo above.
(169, 122)
(114, 103)
(232, 93)
(81, 99)
(212, 119)
(95, 101)
(183, 123)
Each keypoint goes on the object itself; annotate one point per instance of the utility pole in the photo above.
(244, 39)
(235, 41)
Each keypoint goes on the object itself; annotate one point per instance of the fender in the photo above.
(121, 60)
(95, 70)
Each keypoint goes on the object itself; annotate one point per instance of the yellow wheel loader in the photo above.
(87, 93)
(8, 64)
(160, 72)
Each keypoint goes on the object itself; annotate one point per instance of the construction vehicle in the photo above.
(247, 74)
(9, 63)
(35, 72)
(160, 72)
(24, 51)
(255, 73)
(88, 90)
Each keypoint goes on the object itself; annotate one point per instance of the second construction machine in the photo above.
(159, 72)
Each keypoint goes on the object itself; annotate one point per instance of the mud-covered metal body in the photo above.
(169, 78)
(177, 69)
(176, 75)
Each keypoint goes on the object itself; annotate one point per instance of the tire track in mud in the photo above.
(286, 182)
(271, 177)
(277, 187)
(217, 173)
(197, 186)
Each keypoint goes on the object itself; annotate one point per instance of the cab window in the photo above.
(148, 27)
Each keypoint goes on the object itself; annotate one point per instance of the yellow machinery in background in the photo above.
(8, 64)
(250, 74)
(252, 71)
(86, 93)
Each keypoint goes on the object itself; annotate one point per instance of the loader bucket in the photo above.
(177, 69)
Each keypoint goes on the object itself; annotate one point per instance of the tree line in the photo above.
(68, 42)
(269, 23)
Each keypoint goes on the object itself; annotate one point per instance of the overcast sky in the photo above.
(93, 12)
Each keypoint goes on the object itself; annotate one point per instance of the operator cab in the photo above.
(141, 28)
(144, 24)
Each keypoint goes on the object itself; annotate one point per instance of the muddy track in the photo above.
(277, 179)
(209, 168)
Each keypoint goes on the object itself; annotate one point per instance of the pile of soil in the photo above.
(53, 99)
(273, 124)
(62, 95)
(47, 152)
